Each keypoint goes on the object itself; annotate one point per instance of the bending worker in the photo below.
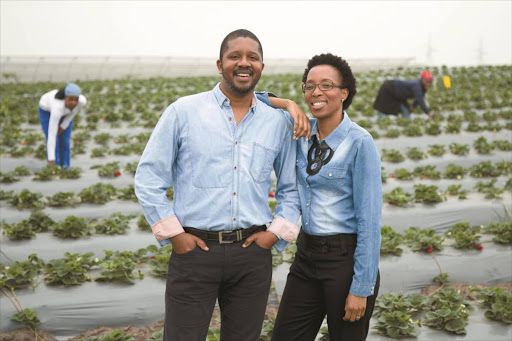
(56, 111)
(393, 95)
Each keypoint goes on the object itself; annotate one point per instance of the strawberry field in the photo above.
(77, 254)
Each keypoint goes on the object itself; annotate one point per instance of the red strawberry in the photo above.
(390, 202)
(152, 257)
(117, 173)
(6, 267)
(46, 278)
(77, 141)
(271, 194)
(22, 143)
(392, 176)
(479, 246)
(430, 249)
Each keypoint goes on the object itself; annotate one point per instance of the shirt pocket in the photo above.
(262, 162)
(332, 180)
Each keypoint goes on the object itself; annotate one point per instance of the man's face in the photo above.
(427, 82)
(241, 66)
(71, 102)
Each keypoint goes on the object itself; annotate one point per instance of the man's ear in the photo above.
(219, 66)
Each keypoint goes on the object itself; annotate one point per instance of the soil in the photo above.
(138, 333)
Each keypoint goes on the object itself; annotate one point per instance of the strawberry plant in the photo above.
(107, 171)
(392, 133)
(484, 169)
(502, 232)
(390, 241)
(72, 227)
(394, 314)
(412, 130)
(490, 116)
(402, 174)
(28, 317)
(7, 195)
(459, 149)
(7, 178)
(115, 335)
(383, 175)
(127, 193)
(131, 167)
(384, 122)
(423, 239)
(427, 172)
(98, 194)
(426, 194)
(115, 224)
(508, 185)
(489, 190)
(471, 116)
(64, 199)
(497, 301)
(99, 152)
(454, 171)
(415, 153)
(433, 129)
(456, 190)
(27, 199)
(502, 145)
(466, 237)
(70, 270)
(396, 325)
(398, 197)
(447, 311)
(473, 127)
(442, 279)
(18, 231)
(124, 138)
(143, 224)
(392, 155)
(482, 146)
(102, 138)
(504, 167)
(39, 221)
(119, 267)
(123, 150)
(21, 273)
(159, 262)
(453, 128)
(436, 150)
(55, 172)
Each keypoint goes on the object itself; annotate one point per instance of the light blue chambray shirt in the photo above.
(345, 196)
(221, 172)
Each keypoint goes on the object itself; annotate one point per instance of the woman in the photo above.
(335, 271)
(56, 111)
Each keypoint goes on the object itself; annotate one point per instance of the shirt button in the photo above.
(306, 223)
(234, 193)
(330, 174)
(236, 142)
(235, 168)
(229, 118)
(234, 218)
(307, 204)
(307, 186)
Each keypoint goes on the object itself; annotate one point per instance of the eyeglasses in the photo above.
(324, 86)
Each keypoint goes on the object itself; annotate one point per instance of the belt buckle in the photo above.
(238, 237)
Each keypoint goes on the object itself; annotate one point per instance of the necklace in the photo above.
(318, 155)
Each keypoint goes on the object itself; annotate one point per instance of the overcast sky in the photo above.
(461, 32)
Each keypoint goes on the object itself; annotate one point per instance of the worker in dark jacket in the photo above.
(393, 95)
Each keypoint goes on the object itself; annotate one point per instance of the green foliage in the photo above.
(436, 150)
(27, 199)
(18, 231)
(72, 227)
(127, 193)
(21, 273)
(143, 224)
(504, 167)
(70, 270)
(402, 174)
(392, 155)
(415, 153)
(115, 335)
(412, 130)
(21, 171)
(55, 172)
(7, 178)
(64, 199)
(489, 190)
(110, 170)
(119, 266)
(398, 197)
(502, 145)
(502, 231)
(28, 317)
(131, 167)
(423, 239)
(456, 190)
(115, 224)
(102, 138)
(426, 194)
(482, 146)
(392, 133)
(427, 172)
(442, 279)
(466, 237)
(39, 221)
(433, 129)
(484, 169)
(497, 301)
(394, 314)
(159, 262)
(100, 152)
(447, 311)
(459, 149)
(98, 194)
(454, 171)
(390, 241)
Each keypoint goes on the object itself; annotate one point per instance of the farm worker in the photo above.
(57, 109)
(393, 95)
(335, 270)
(217, 149)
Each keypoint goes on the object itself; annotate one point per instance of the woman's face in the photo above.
(325, 103)
(71, 102)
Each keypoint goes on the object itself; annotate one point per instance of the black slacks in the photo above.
(238, 277)
(318, 284)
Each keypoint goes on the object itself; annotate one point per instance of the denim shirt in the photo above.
(220, 171)
(345, 196)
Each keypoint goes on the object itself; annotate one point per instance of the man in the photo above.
(393, 95)
(217, 149)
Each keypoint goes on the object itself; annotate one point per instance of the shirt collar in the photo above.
(337, 136)
(221, 98)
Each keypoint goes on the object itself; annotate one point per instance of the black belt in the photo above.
(225, 237)
(323, 244)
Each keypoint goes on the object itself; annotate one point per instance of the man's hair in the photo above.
(347, 77)
(241, 33)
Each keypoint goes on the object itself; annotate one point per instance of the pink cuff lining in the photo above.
(284, 229)
(167, 228)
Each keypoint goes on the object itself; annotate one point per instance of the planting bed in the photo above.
(117, 289)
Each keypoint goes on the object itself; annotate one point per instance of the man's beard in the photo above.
(236, 89)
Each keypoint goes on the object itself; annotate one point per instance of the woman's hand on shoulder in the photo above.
(301, 125)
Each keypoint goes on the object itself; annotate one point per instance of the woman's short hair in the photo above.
(347, 77)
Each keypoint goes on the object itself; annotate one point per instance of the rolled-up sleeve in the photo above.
(154, 176)
(288, 208)
(367, 191)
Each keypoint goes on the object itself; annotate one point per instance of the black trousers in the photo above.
(318, 284)
(238, 277)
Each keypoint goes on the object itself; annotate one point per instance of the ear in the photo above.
(219, 66)
(262, 66)
(345, 93)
